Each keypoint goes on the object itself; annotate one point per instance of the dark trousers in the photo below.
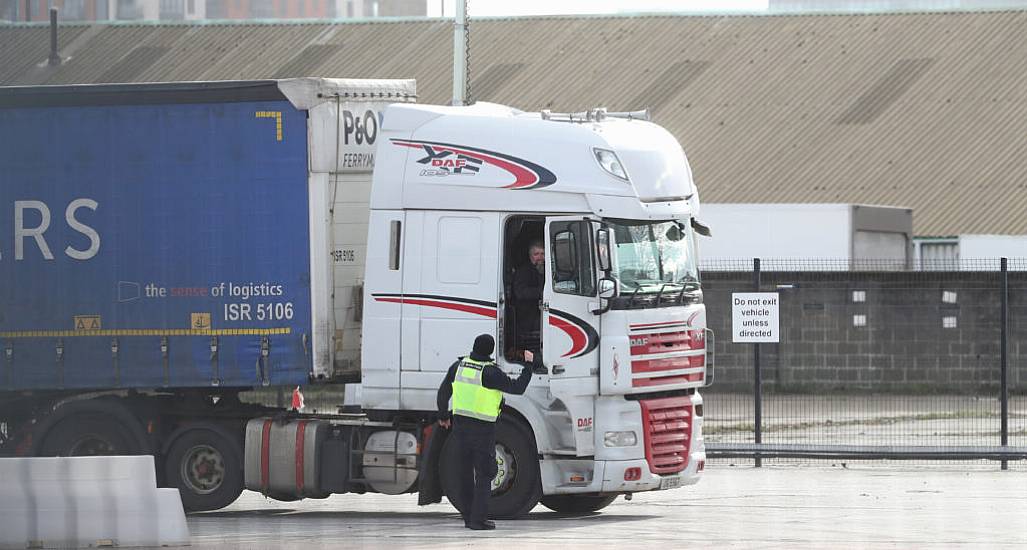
(477, 444)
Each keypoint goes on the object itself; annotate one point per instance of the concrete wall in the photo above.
(913, 332)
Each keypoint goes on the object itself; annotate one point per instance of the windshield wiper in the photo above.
(688, 284)
(638, 287)
(659, 295)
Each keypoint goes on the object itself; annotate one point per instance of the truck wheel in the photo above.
(205, 464)
(577, 504)
(517, 486)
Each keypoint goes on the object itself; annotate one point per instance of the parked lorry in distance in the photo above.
(167, 247)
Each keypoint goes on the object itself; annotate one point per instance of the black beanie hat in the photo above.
(484, 345)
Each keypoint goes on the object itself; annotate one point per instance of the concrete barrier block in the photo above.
(86, 501)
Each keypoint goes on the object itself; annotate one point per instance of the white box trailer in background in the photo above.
(826, 236)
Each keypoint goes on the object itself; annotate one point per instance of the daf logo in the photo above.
(639, 342)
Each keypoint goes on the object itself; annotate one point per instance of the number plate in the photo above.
(670, 482)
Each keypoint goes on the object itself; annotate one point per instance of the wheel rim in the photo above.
(91, 445)
(506, 470)
(203, 469)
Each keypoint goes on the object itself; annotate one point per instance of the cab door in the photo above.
(570, 331)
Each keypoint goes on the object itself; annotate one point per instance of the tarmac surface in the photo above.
(732, 507)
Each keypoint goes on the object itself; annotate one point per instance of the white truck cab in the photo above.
(458, 194)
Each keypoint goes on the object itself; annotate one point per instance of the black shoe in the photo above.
(486, 525)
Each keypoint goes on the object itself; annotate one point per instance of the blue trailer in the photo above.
(156, 259)
(155, 246)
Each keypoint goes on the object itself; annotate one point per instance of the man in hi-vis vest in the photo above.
(476, 385)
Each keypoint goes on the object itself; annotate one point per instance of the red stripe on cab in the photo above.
(467, 308)
(578, 337)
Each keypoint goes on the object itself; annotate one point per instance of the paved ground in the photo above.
(741, 507)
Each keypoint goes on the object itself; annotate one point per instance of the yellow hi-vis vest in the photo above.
(470, 398)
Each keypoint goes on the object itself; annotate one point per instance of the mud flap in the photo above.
(429, 488)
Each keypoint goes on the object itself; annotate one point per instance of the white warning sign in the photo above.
(754, 317)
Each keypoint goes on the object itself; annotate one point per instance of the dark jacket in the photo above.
(527, 291)
(491, 377)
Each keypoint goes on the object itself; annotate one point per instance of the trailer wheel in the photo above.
(205, 464)
(95, 427)
(577, 504)
(517, 487)
(87, 435)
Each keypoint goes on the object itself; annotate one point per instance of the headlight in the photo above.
(610, 163)
(620, 439)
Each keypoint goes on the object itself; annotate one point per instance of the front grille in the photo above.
(667, 428)
(680, 358)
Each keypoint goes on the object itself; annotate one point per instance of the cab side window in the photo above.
(573, 271)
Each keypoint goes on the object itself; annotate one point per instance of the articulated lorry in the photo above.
(166, 248)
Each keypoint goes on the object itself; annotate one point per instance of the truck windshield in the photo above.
(653, 256)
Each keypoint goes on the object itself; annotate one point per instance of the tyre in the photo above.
(89, 434)
(577, 504)
(205, 464)
(517, 486)
(90, 428)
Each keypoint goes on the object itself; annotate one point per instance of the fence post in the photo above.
(758, 382)
(1004, 390)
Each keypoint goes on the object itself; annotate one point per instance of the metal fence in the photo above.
(875, 360)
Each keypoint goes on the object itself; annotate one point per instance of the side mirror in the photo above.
(603, 249)
(701, 228)
(607, 290)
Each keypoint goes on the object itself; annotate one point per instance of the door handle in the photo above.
(558, 369)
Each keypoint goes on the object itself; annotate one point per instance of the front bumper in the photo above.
(607, 476)
(614, 472)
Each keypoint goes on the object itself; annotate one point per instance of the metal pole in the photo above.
(55, 58)
(1004, 397)
(460, 54)
(758, 382)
